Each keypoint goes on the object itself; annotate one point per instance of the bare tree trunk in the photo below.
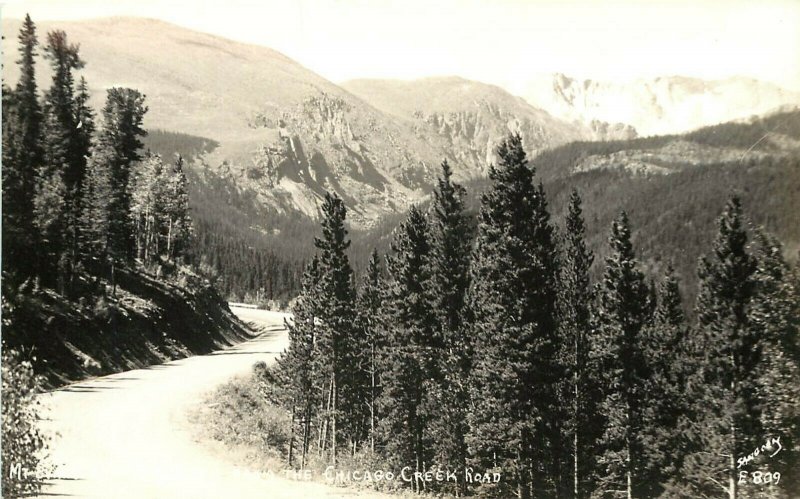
(630, 485)
(628, 452)
(416, 466)
(291, 437)
(576, 489)
(522, 491)
(324, 436)
(732, 492)
(576, 427)
(333, 420)
(306, 430)
(146, 234)
(113, 279)
(155, 239)
(169, 239)
(372, 400)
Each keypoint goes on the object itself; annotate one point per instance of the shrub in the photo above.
(23, 443)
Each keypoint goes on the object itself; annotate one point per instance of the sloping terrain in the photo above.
(665, 105)
(280, 129)
(775, 135)
(674, 188)
(149, 321)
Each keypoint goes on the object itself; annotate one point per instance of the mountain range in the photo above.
(288, 135)
(658, 106)
(282, 130)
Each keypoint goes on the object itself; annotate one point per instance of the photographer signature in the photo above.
(771, 443)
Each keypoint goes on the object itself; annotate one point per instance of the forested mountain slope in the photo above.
(670, 185)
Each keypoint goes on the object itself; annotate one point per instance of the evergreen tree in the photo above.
(450, 241)
(50, 217)
(296, 366)
(411, 342)
(668, 413)
(122, 131)
(576, 328)
(369, 306)
(623, 313)
(335, 345)
(513, 424)
(57, 203)
(121, 141)
(84, 130)
(95, 219)
(30, 112)
(22, 156)
(774, 313)
(728, 410)
(61, 150)
(447, 394)
(149, 198)
(107, 196)
(176, 211)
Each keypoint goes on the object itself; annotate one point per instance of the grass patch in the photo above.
(238, 422)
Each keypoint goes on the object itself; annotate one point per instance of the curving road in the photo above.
(127, 435)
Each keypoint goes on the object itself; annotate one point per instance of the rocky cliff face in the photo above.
(472, 135)
(381, 158)
(466, 119)
(329, 144)
(665, 105)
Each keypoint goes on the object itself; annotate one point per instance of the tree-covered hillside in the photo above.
(673, 211)
(96, 272)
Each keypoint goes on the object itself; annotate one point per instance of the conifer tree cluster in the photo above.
(77, 196)
(490, 354)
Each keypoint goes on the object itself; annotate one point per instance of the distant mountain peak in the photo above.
(656, 106)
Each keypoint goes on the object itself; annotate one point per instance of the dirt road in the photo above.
(127, 435)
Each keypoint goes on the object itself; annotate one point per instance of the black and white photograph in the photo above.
(531, 249)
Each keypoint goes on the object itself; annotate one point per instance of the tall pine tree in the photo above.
(728, 409)
(22, 157)
(411, 341)
(667, 414)
(512, 424)
(624, 311)
(107, 197)
(774, 315)
(296, 366)
(369, 307)
(447, 394)
(64, 166)
(335, 352)
(577, 329)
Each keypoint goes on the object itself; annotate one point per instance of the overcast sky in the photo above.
(498, 41)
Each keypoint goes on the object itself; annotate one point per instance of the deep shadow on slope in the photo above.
(150, 321)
